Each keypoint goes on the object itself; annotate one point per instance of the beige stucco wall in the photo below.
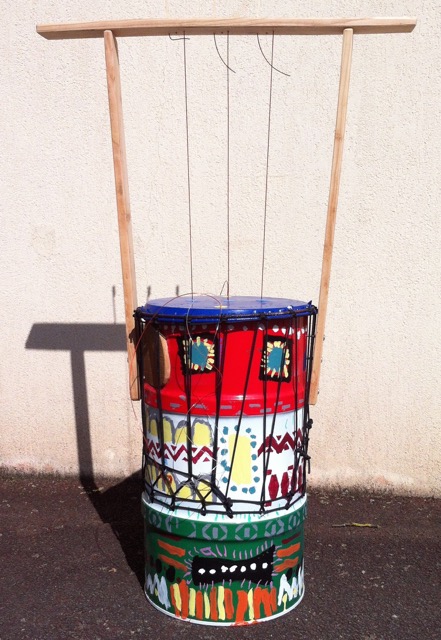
(377, 422)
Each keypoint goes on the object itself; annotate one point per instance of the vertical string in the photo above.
(228, 165)
(188, 166)
(267, 164)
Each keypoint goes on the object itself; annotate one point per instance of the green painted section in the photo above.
(222, 572)
(218, 528)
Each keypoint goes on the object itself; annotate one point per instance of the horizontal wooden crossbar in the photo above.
(235, 26)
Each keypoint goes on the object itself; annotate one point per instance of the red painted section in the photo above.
(236, 342)
(289, 551)
(175, 551)
(173, 601)
(199, 605)
(288, 540)
(213, 605)
(228, 603)
(273, 443)
(284, 485)
(242, 606)
(273, 599)
(257, 601)
(173, 562)
(183, 589)
(273, 487)
(267, 602)
(286, 564)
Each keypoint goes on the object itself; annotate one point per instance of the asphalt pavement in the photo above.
(71, 557)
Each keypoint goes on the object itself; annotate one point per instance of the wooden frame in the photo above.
(235, 26)
(337, 157)
(123, 205)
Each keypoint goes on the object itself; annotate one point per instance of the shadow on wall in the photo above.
(119, 506)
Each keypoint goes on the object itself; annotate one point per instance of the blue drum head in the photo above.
(213, 308)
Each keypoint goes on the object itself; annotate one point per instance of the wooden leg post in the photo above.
(337, 157)
(123, 205)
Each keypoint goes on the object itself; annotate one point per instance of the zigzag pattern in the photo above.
(277, 444)
(200, 452)
(173, 451)
(178, 452)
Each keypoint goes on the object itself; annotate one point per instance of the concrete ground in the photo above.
(72, 565)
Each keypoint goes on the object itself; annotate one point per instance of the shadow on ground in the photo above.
(118, 506)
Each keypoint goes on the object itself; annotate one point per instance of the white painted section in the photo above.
(244, 470)
(291, 590)
(378, 418)
(160, 585)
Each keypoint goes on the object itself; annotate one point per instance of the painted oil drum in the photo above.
(225, 409)
(218, 570)
(233, 350)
